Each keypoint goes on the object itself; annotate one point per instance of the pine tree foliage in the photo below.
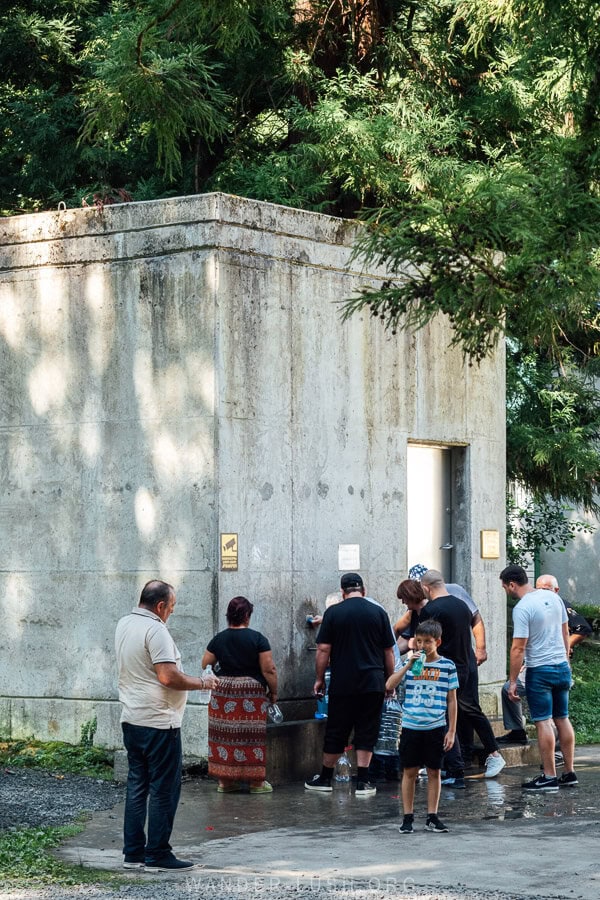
(465, 133)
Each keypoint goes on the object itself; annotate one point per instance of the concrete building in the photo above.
(178, 393)
(578, 566)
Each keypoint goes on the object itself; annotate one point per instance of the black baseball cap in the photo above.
(351, 580)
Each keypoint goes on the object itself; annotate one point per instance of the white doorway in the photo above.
(429, 508)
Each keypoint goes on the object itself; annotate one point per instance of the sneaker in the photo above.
(434, 824)
(407, 826)
(516, 736)
(493, 766)
(317, 783)
(170, 865)
(541, 784)
(365, 789)
(130, 862)
(568, 779)
(451, 781)
(264, 788)
(559, 760)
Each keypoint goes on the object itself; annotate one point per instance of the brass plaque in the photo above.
(490, 544)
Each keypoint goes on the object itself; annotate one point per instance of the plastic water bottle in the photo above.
(323, 702)
(205, 695)
(417, 666)
(274, 714)
(343, 769)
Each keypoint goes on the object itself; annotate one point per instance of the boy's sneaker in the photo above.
(568, 779)
(541, 785)
(451, 781)
(317, 783)
(365, 789)
(493, 766)
(434, 824)
(407, 825)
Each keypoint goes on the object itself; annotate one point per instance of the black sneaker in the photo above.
(170, 865)
(407, 825)
(365, 789)
(559, 760)
(317, 783)
(451, 781)
(133, 862)
(516, 736)
(541, 784)
(568, 779)
(434, 824)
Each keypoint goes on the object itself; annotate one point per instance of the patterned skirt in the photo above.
(237, 729)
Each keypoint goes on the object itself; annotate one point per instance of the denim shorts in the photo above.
(547, 691)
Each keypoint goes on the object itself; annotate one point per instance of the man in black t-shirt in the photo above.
(356, 641)
(455, 619)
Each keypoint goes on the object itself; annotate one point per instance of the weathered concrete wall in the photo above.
(578, 567)
(177, 369)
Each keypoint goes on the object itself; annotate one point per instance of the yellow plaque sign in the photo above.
(229, 552)
(490, 544)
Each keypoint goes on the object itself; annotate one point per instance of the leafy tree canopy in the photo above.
(465, 133)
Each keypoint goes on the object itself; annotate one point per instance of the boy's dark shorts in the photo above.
(422, 748)
(361, 712)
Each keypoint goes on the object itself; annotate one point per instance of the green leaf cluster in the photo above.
(465, 133)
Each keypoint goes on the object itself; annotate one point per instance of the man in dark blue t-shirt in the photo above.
(356, 641)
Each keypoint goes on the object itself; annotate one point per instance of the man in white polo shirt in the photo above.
(153, 691)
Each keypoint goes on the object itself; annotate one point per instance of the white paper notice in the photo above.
(348, 557)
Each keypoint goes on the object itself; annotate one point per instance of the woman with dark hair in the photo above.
(413, 596)
(237, 722)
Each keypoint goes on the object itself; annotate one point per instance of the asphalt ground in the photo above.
(502, 841)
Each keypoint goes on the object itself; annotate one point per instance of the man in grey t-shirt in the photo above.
(541, 640)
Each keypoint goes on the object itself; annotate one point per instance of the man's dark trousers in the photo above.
(153, 788)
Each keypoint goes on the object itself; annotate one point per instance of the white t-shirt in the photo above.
(141, 640)
(539, 616)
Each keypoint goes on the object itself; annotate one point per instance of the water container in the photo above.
(343, 769)
(274, 714)
(417, 666)
(323, 702)
(205, 695)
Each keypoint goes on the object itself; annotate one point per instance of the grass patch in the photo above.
(584, 700)
(25, 860)
(57, 756)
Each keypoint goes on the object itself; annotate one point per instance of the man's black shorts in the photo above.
(361, 712)
(422, 748)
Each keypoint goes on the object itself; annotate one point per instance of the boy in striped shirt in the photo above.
(428, 722)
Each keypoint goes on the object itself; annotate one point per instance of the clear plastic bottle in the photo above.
(417, 666)
(205, 695)
(343, 769)
(274, 714)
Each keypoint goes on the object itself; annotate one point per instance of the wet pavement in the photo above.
(501, 839)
